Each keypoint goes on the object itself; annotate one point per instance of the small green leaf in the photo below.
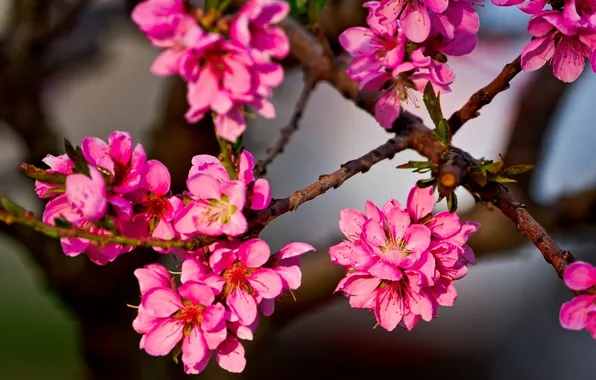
(494, 167)
(108, 223)
(42, 175)
(423, 183)
(62, 223)
(433, 104)
(153, 222)
(501, 179)
(517, 169)
(415, 165)
(452, 202)
(176, 352)
(442, 132)
(12, 207)
(58, 189)
(479, 178)
(76, 156)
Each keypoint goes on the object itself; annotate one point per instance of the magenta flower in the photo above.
(528, 6)
(87, 195)
(154, 207)
(401, 263)
(244, 280)
(580, 14)
(567, 46)
(253, 28)
(217, 209)
(413, 15)
(580, 312)
(124, 164)
(188, 315)
(158, 20)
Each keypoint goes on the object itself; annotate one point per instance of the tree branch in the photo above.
(287, 132)
(484, 96)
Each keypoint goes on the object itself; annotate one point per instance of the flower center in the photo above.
(219, 209)
(236, 277)
(191, 315)
(154, 205)
(394, 245)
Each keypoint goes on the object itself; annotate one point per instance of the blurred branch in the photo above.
(484, 96)
(287, 132)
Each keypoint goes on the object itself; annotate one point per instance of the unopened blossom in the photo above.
(57, 164)
(401, 262)
(158, 19)
(580, 312)
(87, 195)
(217, 208)
(187, 316)
(567, 46)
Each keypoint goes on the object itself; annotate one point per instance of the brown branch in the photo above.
(484, 96)
(287, 132)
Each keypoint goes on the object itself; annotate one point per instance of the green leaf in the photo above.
(415, 165)
(433, 104)
(452, 202)
(442, 132)
(479, 178)
(493, 167)
(298, 9)
(423, 183)
(12, 207)
(501, 179)
(76, 156)
(42, 175)
(517, 169)
(62, 223)
(108, 223)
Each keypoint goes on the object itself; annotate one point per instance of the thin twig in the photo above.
(484, 96)
(287, 132)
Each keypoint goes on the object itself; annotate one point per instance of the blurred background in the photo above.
(77, 68)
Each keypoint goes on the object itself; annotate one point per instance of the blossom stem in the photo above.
(28, 219)
(226, 157)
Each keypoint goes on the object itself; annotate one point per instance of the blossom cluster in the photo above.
(405, 46)
(217, 303)
(113, 188)
(580, 313)
(565, 35)
(226, 60)
(401, 263)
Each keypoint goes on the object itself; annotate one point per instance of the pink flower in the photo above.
(401, 263)
(413, 15)
(124, 164)
(528, 6)
(253, 28)
(580, 13)
(188, 315)
(87, 195)
(57, 164)
(580, 312)
(244, 280)
(567, 46)
(258, 190)
(217, 208)
(158, 20)
(154, 207)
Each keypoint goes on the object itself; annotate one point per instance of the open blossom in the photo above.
(402, 262)
(224, 74)
(413, 15)
(244, 281)
(580, 312)
(528, 6)
(154, 206)
(566, 45)
(87, 195)
(188, 316)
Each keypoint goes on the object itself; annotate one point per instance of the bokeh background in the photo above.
(65, 318)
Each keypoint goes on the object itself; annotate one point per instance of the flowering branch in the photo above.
(287, 132)
(485, 95)
(28, 219)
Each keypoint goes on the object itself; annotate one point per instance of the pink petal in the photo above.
(417, 238)
(444, 224)
(360, 284)
(88, 195)
(197, 293)
(261, 195)
(385, 271)
(437, 6)
(387, 109)
(573, 314)
(359, 41)
(398, 222)
(161, 340)
(152, 276)
(161, 302)
(230, 356)
(350, 223)
(266, 282)
(245, 167)
(97, 153)
(389, 309)
(230, 126)
(194, 352)
(204, 186)
(236, 226)
(294, 249)
(120, 147)
(568, 62)
(537, 52)
(192, 269)
(291, 277)
(157, 177)
(243, 305)
(254, 253)
(416, 23)
(580, 276)
(214, 321)
(420, 202)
